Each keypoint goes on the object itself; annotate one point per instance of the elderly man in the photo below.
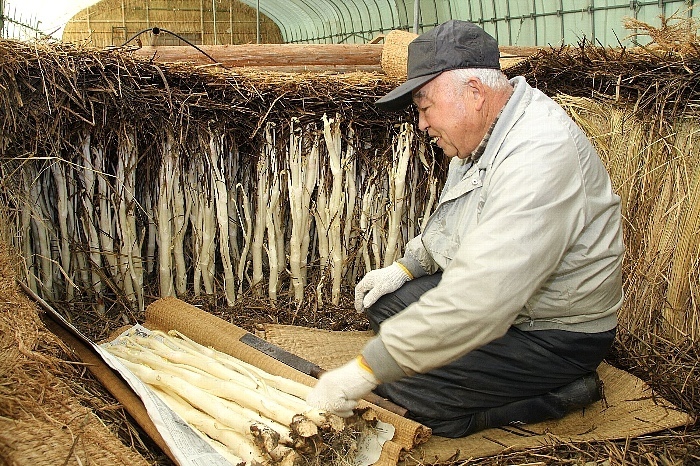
(502, 309)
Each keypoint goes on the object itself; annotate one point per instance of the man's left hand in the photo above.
(339, 390)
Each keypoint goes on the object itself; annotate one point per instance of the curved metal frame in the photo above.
(337, 21)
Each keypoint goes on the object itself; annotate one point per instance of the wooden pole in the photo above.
(289, 55)
(201, 20)
(213, 12)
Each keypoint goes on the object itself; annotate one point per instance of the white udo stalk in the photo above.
(349, 239)
(81, 261)
(40, 233)
(366, 222)
(231, 176)
(151, 230)
(273, 234)
(199, 200)
(397, 188)
(295, 191)
(130, 262)
(164, 217)
(311, 177)
(87, 175)
(222, 216)
(284, 384)
(432, 189)
(301, 181)
(272, 221)
(253, 398)
(247, 223)
(238, 449)
(379, 223)
(332, 136)
(228, 414)
(179, 224)
(59, 177)
(323, 219)
(106, 226)
(174, 353)
(280, 224)
(260, 215)
(207, 255)
(196, 220)
(289, 394)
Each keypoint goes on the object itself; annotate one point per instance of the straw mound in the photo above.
(88, 85)
(41, 419)
(659, 80)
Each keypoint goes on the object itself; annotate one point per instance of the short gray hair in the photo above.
(495, 79)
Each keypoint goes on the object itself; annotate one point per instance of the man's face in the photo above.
(450, 112)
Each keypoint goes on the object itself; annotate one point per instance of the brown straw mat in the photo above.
(206, 329)
(629, 410)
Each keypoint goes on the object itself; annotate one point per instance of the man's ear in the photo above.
(476, 92)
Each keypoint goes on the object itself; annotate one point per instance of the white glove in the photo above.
(338, 391)
(379, 282)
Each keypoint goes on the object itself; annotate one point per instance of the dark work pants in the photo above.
(509, 379)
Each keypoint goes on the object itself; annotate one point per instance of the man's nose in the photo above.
(422, 124)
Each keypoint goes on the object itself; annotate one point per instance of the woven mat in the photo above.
(630, 408)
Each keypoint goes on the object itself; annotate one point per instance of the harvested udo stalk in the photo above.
(250, 416)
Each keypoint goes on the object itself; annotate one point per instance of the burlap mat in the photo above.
(394, 59)
(209, 330)
(630, 408)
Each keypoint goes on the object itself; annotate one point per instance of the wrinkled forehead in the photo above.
(427, 91)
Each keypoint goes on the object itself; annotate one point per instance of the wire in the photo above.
(156, 31)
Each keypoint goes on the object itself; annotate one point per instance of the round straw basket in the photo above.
(394, 59)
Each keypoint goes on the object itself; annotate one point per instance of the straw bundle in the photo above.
(395, 53)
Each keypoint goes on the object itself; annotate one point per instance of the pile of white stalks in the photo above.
(251, 417)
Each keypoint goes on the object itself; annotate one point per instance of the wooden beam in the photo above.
(518, 51)
(290, 57)
(269, 55)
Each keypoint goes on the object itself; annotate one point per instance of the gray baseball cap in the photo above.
(449, 46)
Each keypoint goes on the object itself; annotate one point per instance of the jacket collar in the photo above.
(510, 114)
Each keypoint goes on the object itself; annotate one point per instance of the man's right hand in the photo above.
(379, 282)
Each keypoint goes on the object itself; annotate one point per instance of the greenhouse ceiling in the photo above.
(513, 22)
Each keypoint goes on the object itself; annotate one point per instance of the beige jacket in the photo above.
(530, 236)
